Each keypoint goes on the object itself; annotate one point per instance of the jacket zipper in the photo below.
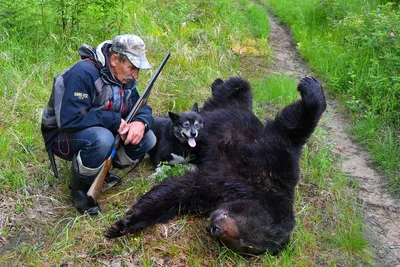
(120, 99)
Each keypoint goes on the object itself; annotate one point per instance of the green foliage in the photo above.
(350, 240)
(165, 170)
(275, 88)
(272, 93)
(256, 17)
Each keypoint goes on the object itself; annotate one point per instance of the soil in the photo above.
(381, 212)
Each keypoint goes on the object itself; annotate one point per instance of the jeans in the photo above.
(95, 145)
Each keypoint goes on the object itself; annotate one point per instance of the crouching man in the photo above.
(86, 109)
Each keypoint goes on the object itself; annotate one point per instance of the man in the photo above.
(86, 109)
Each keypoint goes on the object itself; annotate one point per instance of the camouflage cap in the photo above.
(133, 47)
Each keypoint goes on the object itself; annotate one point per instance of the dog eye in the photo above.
(186, 124)
(196, 123)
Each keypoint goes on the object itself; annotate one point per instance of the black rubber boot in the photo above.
(83, 205)
(79, 186)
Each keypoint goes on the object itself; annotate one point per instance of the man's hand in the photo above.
(131, 133)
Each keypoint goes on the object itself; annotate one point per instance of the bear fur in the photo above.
(248, 174)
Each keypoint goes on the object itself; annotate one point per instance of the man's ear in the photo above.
(113, 60)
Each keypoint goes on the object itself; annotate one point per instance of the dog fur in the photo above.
(177, 137)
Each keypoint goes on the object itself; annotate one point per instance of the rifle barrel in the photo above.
(95, 188)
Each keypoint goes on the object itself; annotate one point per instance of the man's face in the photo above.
(123, 70)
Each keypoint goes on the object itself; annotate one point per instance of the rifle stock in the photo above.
(95, 189)
(97, 185)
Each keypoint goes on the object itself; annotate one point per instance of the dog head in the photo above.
(187, 125)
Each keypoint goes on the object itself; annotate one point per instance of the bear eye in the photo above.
(243, 241)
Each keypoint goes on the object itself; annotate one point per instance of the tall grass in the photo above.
(355, 46)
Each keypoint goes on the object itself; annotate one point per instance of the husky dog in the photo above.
(177, 137)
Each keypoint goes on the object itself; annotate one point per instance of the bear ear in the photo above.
(195, 108)
(174, 117)
(216, 83)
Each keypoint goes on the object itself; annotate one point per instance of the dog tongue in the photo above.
(192, 142)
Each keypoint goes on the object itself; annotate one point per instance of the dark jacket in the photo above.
(87, 94)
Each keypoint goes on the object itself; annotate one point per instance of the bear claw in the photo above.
(114, 232)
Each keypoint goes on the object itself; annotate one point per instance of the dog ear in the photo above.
(174, 117)
(195, 108)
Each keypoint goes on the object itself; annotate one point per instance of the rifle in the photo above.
(95, 188)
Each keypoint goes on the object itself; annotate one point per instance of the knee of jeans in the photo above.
(149, 140)
(104, 140)
(137, 151)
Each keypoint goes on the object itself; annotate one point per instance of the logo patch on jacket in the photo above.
(81, 95)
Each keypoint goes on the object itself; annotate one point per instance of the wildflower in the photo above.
(392, 34)
(379, 15)
(378, 9)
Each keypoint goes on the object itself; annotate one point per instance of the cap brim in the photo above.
(140, 62)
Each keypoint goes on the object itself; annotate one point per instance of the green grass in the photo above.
(275, 88)
(271, 93)
(207, 39)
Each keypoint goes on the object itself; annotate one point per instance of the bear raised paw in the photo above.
(247, 175)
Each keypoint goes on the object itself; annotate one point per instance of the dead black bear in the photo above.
(246, 181)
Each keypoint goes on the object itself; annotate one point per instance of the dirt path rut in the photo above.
(381, 211)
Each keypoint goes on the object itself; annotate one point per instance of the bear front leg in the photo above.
(160, 204)
(298, 120)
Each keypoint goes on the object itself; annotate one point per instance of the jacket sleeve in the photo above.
(76, 102)
(145, 114)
